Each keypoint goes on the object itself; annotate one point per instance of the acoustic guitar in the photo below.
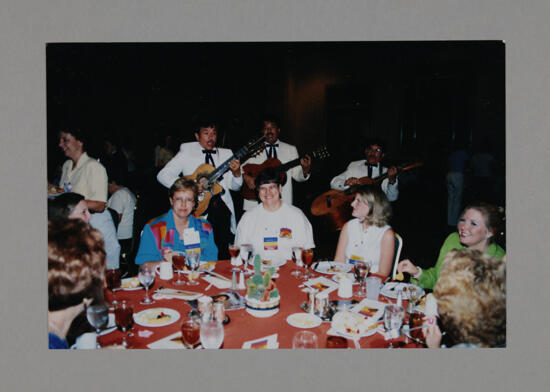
(253, 169)
(336, 204)
(207, 175)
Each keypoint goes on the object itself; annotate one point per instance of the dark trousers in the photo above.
(219, 217)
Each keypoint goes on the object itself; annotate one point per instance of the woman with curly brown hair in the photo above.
(76, 274)
(368, 237)
(471, 299)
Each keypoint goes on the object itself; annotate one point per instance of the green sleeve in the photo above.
(429, 276)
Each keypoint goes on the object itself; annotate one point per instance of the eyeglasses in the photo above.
(375, 149)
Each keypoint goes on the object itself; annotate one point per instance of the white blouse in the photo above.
(364, 245)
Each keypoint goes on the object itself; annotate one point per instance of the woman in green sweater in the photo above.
(476, 229)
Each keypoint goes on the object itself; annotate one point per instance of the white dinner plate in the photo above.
(275, 263)
(147, 317)
(110, 327)
(203, 266)
(332, 267)
(304, 320)
(127, 281)
(390, 290)
(344, 322)
(338, 276)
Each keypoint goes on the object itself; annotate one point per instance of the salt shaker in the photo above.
(241, 285)
(399, 301)
(312, 293)
(234, 281)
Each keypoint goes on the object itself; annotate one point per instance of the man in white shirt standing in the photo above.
(221, 211)
(123, 201)
(364, 171)
(284, 152)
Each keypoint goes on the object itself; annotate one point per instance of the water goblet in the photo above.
(124, 319)
(246, 251)
(97, 316)
(193, 261)
(190, 332)
(297, 257)
(393, 319)
(414, 297)
(234, 251)
(178, 258)
(146, 276)
(211, 334)
(307, 259)
(305, 339)
(113, 279)
(360, 271)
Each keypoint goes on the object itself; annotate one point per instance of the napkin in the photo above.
(170, 341)
(219, 283)
(267, 342)
(431, 306)
(172, 293)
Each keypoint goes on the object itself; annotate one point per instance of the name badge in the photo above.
(192, 239)
(270, 243)
(354, 258)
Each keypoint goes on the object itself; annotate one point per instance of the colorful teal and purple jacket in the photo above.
(161, 233)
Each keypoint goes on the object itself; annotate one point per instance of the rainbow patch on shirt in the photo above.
(270, 243)
(285, 233)
(354, 258)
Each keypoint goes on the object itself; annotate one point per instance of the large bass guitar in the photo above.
(253, 169)
(336, 204)
(207, 175)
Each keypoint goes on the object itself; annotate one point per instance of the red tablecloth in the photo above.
(242, 325)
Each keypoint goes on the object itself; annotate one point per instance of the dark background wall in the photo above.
(418, 96)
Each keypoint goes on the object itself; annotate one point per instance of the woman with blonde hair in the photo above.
(471, 299)
(368, 237)
(476, 229)
(76, 274)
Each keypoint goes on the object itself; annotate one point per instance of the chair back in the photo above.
(398, 247)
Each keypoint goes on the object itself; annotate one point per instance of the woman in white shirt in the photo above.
(368, 237)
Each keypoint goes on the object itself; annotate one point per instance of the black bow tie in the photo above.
(272, 152)
(208, 157)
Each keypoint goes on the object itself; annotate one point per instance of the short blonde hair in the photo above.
(380, 208)
(471, 297)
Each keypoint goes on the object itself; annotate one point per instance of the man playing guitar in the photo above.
(364, 171)
(285, 152)
(221, 212)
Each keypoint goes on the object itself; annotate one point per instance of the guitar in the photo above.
(253, 169)
(207, 175)
(336, 203)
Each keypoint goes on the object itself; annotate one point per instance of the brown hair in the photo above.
(185, 184)
(471, 297)
(380, 208)
(76, 263)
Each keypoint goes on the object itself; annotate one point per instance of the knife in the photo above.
(215, 274)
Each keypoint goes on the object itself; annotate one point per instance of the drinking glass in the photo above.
(211, 334)
(414, 297)
(305, 339)
(190, 332)
(113, 279)
(393, 319)
(297, 257)
(307, 259)
(178, 258)
(234, 251)
(360, 271)
(193, 261)
(97, 316)
(246, 252)
(146, 277)
(124, 318)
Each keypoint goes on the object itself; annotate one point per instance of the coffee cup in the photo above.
(345, 287)
(164, 270)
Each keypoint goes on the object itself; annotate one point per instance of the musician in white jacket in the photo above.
(220, 212)
(284, 152)
(361, 172)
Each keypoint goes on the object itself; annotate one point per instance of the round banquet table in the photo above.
(242, 326)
